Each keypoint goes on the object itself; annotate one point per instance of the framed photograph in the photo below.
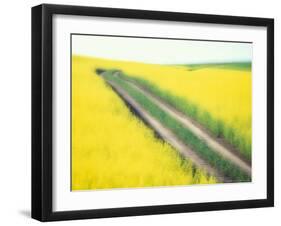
(145, 112)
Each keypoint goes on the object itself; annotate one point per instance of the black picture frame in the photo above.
(42, 106)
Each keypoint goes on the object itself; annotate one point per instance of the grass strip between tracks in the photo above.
(184, 134)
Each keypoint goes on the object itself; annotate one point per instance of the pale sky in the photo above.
(160, 51)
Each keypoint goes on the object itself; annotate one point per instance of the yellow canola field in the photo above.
(111, 148)
(224, 94)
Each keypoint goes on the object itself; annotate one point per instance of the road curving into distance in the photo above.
(170, 137)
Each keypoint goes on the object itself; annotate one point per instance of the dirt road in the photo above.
(168, 135)
(211, 141)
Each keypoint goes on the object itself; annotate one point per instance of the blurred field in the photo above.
(217, 96)
(111, 148)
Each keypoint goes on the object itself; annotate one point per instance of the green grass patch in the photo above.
(184, 134)
(242, 66)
